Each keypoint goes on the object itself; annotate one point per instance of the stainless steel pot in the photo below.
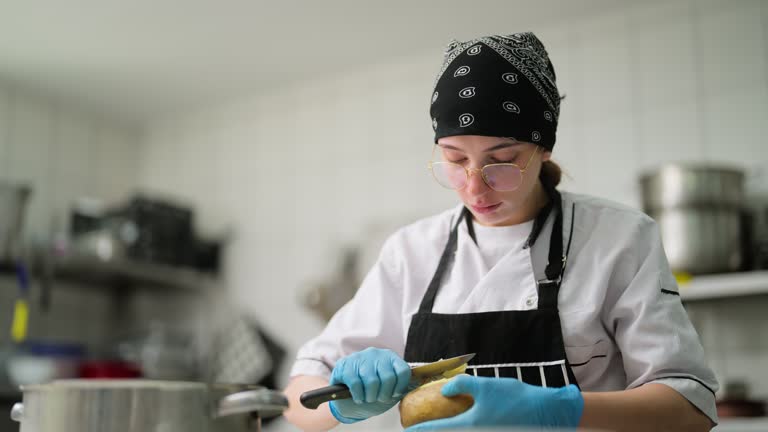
(692, 185)
(141, 406)
(699, 211)
(700, 241)
(13, 200)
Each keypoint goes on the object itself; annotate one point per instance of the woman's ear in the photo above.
(547, 155)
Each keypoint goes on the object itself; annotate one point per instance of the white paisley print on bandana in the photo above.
(510, 77)
(536, 136)
(466, 119)
(461, 71)
(467, 92)
(511, 107)
(434, 97)
(475, 50)
(548, 115)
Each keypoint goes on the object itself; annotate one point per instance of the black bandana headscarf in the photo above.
(497, 86)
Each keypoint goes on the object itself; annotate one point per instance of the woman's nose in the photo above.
(475, 184)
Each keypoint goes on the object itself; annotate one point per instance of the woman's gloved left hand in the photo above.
(510, 402)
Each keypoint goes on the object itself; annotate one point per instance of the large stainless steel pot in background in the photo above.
(701, 241)
(699, 211)
(142, 406)
(692, 185)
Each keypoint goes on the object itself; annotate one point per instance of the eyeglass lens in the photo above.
(498, 177)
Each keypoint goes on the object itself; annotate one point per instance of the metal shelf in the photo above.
(125, 272)
(742, 424)
(726, 285)
(118, 273)
(9, 394)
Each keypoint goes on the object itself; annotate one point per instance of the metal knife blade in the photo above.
(438, 368)
(419, 374)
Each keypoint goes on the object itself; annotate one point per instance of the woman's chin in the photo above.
(491, 218)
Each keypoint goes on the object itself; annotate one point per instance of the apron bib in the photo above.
(527, 345)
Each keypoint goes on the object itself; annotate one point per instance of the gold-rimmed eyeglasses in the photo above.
(502, 177)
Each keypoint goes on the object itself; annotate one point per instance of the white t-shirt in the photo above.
(495, 242)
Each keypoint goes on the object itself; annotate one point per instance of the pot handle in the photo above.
(265, 402)
(17, 412)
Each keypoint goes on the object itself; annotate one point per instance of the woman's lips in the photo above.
(485, 209)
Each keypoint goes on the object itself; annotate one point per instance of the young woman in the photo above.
(568, 300)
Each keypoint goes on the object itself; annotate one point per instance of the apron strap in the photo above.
(445, 260)
(548, 283)
(556, 259)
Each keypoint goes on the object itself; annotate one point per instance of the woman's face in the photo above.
(488, 206)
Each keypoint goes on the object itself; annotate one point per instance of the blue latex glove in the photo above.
(509, 402)
(377, 379)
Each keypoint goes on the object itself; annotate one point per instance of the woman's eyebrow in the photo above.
(488, 150)
(501, 146)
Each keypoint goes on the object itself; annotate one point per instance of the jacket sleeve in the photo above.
(657, 340)
(370, 319)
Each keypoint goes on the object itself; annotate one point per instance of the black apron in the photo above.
(528, 344)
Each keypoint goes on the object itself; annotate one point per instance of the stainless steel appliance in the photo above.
(699, 209)
(143, 406)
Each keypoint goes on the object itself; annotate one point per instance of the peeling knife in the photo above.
(419, 375)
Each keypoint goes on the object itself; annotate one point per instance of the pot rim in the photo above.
(696, 167)
(128, 384)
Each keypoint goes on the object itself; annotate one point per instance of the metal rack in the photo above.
(726, 285)
(124, 273)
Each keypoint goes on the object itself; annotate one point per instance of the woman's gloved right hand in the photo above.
(377, 378)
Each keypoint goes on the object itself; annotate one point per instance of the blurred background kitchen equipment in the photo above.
(109, 369)
(239, 353)
(327, 296)
(13, 201)
(736, 402)
(757, 210)
(162, 352)
(164, 230)
(141, 406)
(41, 361)
(699, 209)
(147, 229)
(20, 320)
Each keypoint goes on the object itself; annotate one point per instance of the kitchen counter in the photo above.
(742, 425)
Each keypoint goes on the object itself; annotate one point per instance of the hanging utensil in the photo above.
(21, 308)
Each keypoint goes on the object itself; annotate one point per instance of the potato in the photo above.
(427, 403)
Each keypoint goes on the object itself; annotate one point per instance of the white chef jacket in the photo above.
(623, 324)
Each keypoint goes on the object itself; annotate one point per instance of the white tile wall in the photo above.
(305, 168)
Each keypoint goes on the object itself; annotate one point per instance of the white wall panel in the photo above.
(74, 171)
(671, 134)
(5, 107)
(730, 44)
(29, 161)
(662, 56)
(735, 127)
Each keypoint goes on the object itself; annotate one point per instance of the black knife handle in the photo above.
(313, 398)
